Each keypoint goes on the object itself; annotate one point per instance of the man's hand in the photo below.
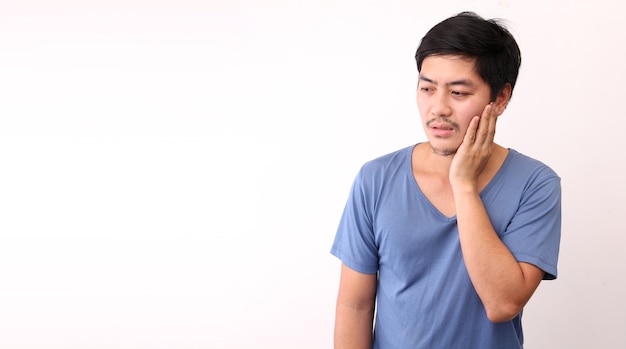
(474, 153)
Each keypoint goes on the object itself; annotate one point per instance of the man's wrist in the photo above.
(463, 185)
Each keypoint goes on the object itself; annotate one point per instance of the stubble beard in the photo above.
(443, 151)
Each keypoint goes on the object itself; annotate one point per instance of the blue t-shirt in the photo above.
(425, 298)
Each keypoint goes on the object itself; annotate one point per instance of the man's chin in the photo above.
(443, 151)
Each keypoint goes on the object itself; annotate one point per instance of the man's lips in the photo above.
(442, 124)
(438, 132)
(442, 128)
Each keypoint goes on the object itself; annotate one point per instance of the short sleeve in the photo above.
(354, 242)
(533, 235)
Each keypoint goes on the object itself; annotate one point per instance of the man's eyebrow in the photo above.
(463, 82)
(431, 81)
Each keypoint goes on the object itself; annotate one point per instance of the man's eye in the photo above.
(459, 93)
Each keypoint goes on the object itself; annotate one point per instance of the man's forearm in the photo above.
(499, 280)
(353, 327)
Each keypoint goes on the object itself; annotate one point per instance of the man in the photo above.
(444, 242)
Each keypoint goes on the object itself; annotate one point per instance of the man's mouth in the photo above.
(442, 128)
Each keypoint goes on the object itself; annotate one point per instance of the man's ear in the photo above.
(503, 98)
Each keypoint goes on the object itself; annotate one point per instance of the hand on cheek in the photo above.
(476, 148)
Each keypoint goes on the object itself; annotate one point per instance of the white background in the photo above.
(172, 172)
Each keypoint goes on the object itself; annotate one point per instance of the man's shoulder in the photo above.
(394, 158)
(522, 164)
(385, 168)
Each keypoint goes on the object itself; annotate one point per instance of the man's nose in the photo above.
(441, 105)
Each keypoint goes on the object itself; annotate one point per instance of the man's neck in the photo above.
(431, 161)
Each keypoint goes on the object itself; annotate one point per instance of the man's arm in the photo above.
(503, 284)
(355, 310)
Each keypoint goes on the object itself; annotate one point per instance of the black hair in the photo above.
(494, 49)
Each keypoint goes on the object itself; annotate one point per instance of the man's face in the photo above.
(450, 93)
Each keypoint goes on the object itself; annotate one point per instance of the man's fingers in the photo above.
(472, 131)
(486, 126)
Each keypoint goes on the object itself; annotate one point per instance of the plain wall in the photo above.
(172, 172)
